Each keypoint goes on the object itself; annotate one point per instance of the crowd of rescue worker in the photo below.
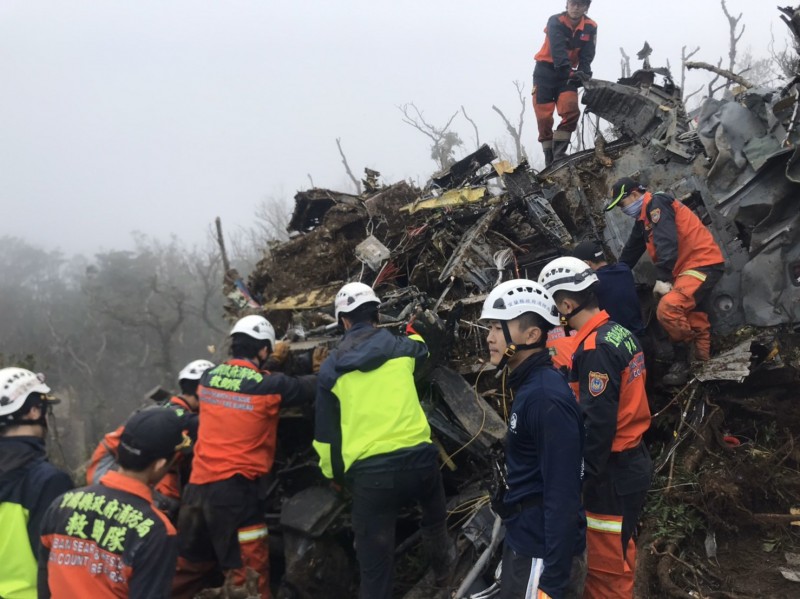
(174, 496)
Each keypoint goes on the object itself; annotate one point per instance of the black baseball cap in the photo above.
(154, 433)
(623, 188)
(589, 250)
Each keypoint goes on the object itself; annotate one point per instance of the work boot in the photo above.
(441, 552)
(560, 149)
(547, 148)
(677, 375)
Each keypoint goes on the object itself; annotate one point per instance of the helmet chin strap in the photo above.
(579, 308)
(512, 348)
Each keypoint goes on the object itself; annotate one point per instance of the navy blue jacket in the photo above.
(617, 296)
(544, 449)
(28, 484)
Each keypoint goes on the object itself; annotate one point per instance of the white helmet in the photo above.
(514, 298)
(567, 274)
(194, 370)
(257, 327)
(353, 295)
(16, 384)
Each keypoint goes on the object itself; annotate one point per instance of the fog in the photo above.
(158, 116)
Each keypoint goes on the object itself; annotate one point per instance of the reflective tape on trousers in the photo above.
(694, 273)
(614, 526)
(247, 535)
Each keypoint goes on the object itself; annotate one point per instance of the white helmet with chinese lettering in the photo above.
(352, 296)
(16, 385)
(194, 370)
(514, 298)
(257, 327)
(567, 274)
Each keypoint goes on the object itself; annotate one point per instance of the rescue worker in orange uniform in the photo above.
(109, 539)
(222, 519)
(167, 493)
(564, 60)
(688, 264)
(608, 378)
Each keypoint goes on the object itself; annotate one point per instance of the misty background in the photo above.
(127, 127)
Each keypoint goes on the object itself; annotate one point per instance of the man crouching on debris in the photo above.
(372, 436)
(688, 264)
(563, 62)
(608, 377)
(545, 543)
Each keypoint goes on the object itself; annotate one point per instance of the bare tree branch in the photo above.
(226, 265)
(694, 93)
(355, 181)
(516, 132)
(625, 64)
(310, 180)
(444, 140)
(474, 126)
(684, 58)
(720, 73)
(733, 23)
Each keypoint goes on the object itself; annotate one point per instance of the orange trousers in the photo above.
(254, 548)
(610, 576)
(681, 320)
(568, 109)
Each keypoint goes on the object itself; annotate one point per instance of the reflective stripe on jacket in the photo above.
(565, 45)
(608, 377)
(28, 484)
(367, 403)
(673, 235)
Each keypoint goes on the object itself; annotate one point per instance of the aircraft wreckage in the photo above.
(436, 252)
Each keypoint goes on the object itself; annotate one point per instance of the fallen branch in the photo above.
(663, 570)
(780, 519)
(721, 72)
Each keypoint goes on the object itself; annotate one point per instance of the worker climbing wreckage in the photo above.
(222, 518)
(688, 265)
(562, 64)
(373, 437)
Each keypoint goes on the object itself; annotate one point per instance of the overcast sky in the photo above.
(158, 116)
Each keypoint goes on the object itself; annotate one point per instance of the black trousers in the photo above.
(520, 576)
(377, 499)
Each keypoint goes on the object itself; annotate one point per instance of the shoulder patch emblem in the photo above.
(597, 383)
(655, 215)
(512, 424)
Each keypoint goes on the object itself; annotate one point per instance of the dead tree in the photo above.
(474, 126)
(355, 181)
(684, 59)
(733, 23)
(624, 64)
(444, 140)
(516, 132)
